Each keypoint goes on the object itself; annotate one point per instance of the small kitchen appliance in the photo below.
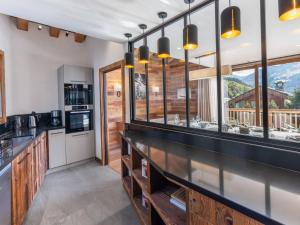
(56, 118)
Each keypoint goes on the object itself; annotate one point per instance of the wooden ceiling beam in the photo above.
(79, 37)
(54, 32)
(22, 24)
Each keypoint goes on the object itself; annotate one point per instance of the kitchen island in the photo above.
(220, 189)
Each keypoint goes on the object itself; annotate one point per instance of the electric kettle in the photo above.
(32, 120)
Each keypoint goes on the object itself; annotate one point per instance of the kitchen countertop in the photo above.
(268, 194)
(22, 139)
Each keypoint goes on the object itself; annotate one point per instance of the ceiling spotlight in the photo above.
(40, 27)
(165, 2)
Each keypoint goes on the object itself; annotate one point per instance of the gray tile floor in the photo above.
(85, 195)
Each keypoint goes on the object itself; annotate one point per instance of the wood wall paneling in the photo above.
(175, 80)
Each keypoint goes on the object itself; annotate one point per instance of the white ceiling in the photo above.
(97, 18)
(110, 19)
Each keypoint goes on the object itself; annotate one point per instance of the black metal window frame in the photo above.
(265, 140)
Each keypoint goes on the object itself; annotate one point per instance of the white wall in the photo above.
(32, 59)
(5, 45)
(103, 54)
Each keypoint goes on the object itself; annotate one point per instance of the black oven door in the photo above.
(77, 121)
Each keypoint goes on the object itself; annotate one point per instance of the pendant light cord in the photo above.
(128, 44)
(190, 13)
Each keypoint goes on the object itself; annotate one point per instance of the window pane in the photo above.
(283, 43)
(155, 82)
(175, 76)
(139, 86)
(241, 60)
(202, 75)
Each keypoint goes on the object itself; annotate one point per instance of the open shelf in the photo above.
(155, 218)
(155, 188)
(168, 212)
(141, 210)
(127, 161)
(127, 184)
(137, 200)
(142, 181)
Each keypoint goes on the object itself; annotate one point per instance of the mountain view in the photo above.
(289, 73)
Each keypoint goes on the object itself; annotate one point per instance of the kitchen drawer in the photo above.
(80, 146)
(202, 209)
(228, 216)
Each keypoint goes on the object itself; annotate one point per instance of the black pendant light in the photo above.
(230, 22)
(144, 50)
(288, 9)
(163, 43)
(190, 32)
(129, 62)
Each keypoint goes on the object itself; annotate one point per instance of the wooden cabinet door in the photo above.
(20, 188)
(45, 154)
(228, 216)
(202, 210)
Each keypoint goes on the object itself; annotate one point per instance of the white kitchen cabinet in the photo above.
(76, 74)
(57, 148)
(80, 146)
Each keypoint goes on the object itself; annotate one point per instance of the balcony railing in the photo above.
(278, 118)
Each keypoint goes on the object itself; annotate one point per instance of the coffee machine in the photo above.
(56, 118)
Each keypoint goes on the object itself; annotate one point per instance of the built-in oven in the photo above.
(78, 94)
(78, 119)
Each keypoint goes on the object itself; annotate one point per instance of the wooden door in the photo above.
(112, 83)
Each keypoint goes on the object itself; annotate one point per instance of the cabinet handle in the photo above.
(57, 133)
(228, 220)
(76, 135)
(78, 112)
(78, 81)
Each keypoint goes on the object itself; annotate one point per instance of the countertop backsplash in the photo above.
(44, 120)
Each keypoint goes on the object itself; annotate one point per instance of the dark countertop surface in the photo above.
(266, 193)
(21, 139)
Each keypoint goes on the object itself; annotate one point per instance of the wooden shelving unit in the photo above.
(126, 160)
(155, 188)
(169, 213)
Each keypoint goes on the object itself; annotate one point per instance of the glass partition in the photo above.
(203, 73)
(175, 76)
(241, 79)
(161, 86)
(155, 82)
(139, 80)
(283, 44)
